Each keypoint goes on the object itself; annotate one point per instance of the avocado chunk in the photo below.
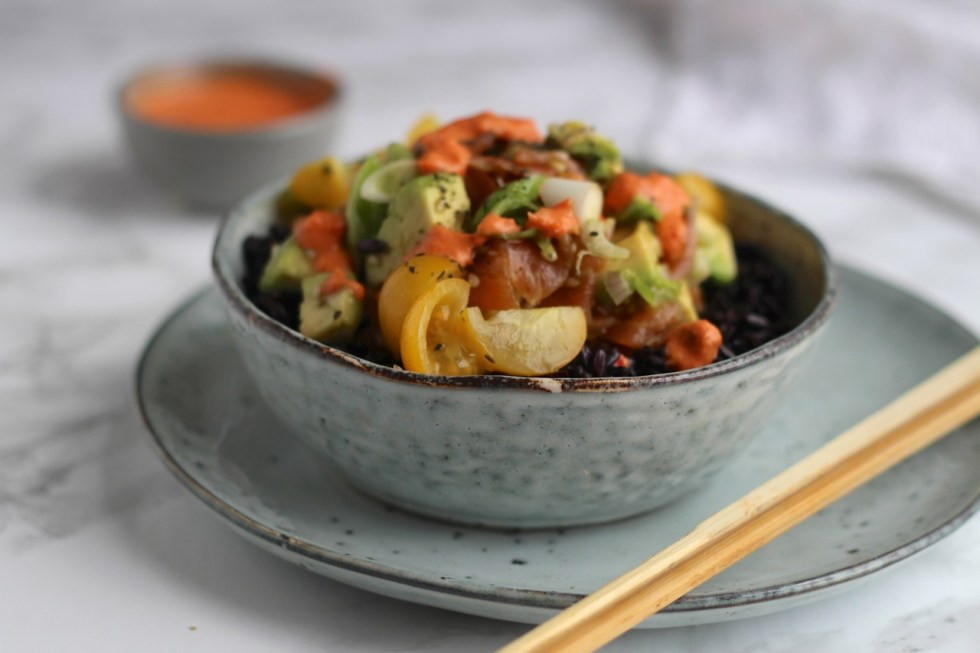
(598, 154)
(715, 253)
(332, 319)
(418, 206)
(515, 200)
(642, 270)
(644, 251)
(287, 266)
(686, 300)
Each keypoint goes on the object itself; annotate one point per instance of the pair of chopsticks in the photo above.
(912, 422)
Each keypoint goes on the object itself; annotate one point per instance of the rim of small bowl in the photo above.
(235, 298)
(300, 121)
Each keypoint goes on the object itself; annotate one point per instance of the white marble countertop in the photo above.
(100, 549)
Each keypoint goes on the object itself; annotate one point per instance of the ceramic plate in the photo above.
(215, 435)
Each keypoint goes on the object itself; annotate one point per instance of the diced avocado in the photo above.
(686, 300)
(332, 319)
(287, 266)
(715, 250)
(700, 269)
(644, 251)
(642, 269)
(418, 206)
(515, 200)
(598, 154)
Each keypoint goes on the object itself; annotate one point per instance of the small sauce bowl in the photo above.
(211, 131)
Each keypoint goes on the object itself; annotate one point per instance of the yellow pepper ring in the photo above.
(527, 341)
(322, 184)
(403, 288)
(705, 193)
(434, 335)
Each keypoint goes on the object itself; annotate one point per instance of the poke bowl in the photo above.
(426, 395)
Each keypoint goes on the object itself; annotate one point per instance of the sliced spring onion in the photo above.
(597, 242)
(617, 286)
(547, 248)
(363, 217)
(382, 184)
(586, 196)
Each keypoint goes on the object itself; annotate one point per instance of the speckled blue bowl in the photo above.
(517, 452)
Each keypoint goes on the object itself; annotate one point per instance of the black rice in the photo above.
(753, 309)
(280, 305)
(750, 311)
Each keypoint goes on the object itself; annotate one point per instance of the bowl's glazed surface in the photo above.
(516, 452)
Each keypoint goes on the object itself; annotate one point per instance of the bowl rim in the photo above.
(236, 301)
(298, 122)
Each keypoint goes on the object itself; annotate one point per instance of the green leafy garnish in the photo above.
(654, 289)
(597, 154)
(515, 200)
(547, 248)
(640, 208)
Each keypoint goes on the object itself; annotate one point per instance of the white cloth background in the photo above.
(891, 87)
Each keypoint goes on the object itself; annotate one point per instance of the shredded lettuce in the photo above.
(597, 154)
(639, 209)
(654, 289)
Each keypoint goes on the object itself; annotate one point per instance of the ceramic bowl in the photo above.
(214, 169)
(523, 452)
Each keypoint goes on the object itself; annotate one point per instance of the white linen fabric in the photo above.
(890, 87)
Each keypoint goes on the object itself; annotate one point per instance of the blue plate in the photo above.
(214, 433)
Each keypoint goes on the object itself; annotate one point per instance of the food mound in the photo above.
(484, 246)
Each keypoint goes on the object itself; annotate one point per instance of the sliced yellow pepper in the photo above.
(322, 184)
(426, 123)
(703, 191)
(528, 341)
(403, 288)
(434, 336)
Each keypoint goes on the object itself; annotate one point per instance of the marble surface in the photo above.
(101, 548)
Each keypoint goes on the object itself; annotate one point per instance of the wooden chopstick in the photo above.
(912, 422)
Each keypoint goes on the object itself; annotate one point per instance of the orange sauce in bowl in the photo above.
(224, 98)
